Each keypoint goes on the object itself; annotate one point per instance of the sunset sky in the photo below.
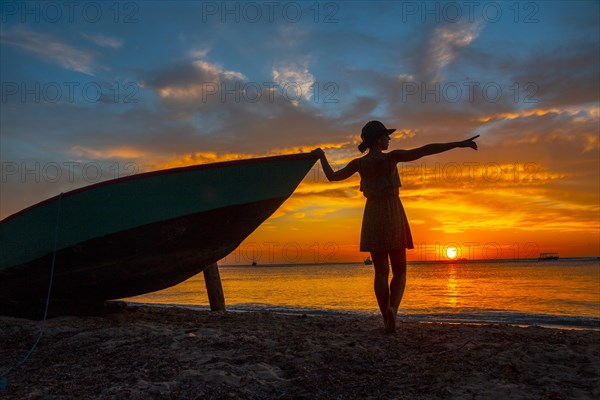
(95, 90)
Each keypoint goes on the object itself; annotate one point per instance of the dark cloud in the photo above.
(563, 76)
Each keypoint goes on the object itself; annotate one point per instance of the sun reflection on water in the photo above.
(452, 285)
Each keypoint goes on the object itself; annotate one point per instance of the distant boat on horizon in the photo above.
(137, 234)
(548, 256)
(368, 261)
(455, 260)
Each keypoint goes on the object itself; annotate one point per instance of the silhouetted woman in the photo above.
(385, 231)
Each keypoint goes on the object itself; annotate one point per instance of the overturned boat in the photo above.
(137, 234)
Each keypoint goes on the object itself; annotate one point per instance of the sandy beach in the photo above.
(147, 352)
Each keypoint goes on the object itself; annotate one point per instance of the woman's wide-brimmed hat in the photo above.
(374, 129)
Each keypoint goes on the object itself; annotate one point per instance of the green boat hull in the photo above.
(137, 234)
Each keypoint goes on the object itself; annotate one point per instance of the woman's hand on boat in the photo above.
(470, 143)
(318, 152)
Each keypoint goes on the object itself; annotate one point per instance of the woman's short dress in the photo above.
(384, 226)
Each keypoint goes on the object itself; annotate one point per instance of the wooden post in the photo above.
(212, 279)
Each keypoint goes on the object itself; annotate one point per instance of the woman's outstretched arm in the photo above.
(429, 149)
(332, 175)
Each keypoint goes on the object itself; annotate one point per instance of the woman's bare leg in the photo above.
(382, 272)
(382, 290)
(398, 260)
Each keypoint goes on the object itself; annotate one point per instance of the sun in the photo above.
(451, 252)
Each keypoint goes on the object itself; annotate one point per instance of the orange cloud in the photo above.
(580, 114)
(107, 153)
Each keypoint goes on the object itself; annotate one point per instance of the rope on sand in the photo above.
(4, 378)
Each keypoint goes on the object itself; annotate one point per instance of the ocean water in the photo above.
(561, 293)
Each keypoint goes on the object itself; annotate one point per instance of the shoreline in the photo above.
(523, 320)
(157, 352)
